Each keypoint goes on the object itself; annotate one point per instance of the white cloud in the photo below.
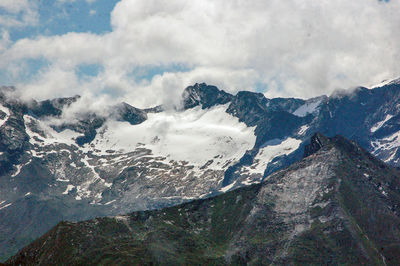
(5, 40)
(14, 6)
(294, 48)
(168, 87)
(18, 13)
(52, 82)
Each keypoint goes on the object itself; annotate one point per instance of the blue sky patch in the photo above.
(57, 18)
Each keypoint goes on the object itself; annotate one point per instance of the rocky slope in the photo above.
(54, 166)
(338, 205)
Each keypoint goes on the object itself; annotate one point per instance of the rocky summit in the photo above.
(338, 205)
(59, 161)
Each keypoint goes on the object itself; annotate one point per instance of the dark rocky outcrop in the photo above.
(204, 95)
(52, 107)
(128, 113)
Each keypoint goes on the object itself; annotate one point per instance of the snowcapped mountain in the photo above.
(338, 205)
(54, 166)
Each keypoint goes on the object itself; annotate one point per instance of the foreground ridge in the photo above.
(338, 205)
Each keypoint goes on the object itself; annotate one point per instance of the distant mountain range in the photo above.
(337, 206)
(54, 167)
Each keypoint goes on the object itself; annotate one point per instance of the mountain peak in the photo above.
(205, 95)
(133, 115)
(317, 141)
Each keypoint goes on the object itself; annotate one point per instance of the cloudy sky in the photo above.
(147, 51)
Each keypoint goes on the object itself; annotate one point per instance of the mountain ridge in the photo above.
(312, 212)
(130, 159)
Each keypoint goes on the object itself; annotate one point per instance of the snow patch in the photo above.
(35, 154)
(271, 150)
(108, 203)
(307, 108)
(248, 182)
(385, 82)
(228, 187)
(19, 167)
(85, 161)
(7, 112)
(69, 188)
(387, 146)
(66, 136)
(380, 84)
(381, 123)
(303, 129)
(5, 206)
(82, 191)
(193, 135)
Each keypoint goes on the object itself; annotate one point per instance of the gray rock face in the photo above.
(100, 166)
(134, 116)
(317, 142)
(204, 95)
(13, 141)
(52, 107)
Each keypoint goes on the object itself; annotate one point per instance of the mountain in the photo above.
(61, 161)
(338, 205)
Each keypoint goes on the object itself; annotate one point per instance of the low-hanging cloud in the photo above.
(288, 48)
